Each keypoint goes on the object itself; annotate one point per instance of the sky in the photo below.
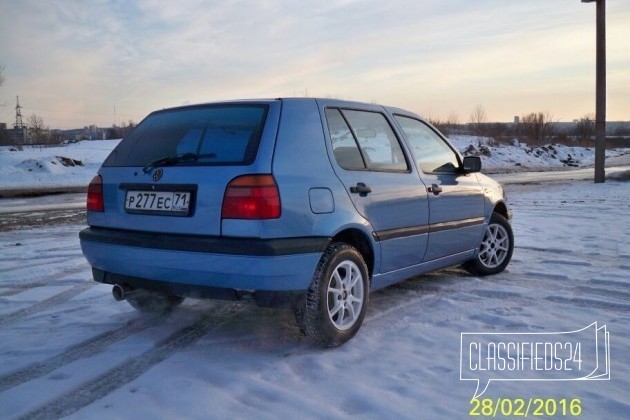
(76, 63)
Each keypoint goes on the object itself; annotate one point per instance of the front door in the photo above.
(456, 201)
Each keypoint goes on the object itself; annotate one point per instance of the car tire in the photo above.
(337, 298)
(495, 250)
(154, 302)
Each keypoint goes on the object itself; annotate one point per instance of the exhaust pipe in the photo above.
(122, 291)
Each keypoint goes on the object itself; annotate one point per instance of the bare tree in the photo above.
(118, 132)
(37, 130)
(536, 126)
(452, 122)
(585, 128)
(478, 120)
(478, 115)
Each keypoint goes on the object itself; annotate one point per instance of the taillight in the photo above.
(95, 195)
(251, 197)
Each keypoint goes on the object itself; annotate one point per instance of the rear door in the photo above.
(456, 201)
(369, 160)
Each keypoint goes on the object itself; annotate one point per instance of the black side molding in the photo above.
(383, 235)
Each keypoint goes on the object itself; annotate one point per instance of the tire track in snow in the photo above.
(84, 349)
(55, 300)
(402, 296)
(623, 286)
(30, 264)
(99, 387)
(15, 288)
(589, 303)
(613, 295)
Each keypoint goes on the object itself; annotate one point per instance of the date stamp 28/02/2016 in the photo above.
(525, 407)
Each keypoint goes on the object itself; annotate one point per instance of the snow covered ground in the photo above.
(67, 349)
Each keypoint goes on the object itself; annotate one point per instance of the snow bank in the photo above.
(68, 166)
(521, 157)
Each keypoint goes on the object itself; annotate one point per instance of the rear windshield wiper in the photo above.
(175, 159)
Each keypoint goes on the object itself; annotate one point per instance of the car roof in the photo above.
(266, 101)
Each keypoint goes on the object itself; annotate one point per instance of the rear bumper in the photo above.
(197, 262)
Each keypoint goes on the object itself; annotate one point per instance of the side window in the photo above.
(363, 139)
(344, 144)
(431, 152)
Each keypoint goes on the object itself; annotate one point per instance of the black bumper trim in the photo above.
(271, 299)
(206, 244)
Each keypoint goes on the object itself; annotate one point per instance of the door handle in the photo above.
(435, 189)
(361, 189)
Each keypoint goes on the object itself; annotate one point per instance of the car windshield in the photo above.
(215, 135)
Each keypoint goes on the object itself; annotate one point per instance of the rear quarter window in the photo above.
(216, 134)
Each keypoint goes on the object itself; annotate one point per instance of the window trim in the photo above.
(354, 137)
(440, 135)
(367, 168)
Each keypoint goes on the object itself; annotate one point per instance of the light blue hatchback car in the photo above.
(311, 203)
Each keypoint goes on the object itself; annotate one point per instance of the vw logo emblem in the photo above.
(157, 175)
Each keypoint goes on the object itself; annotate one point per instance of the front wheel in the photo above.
(337, 298)
(495, 251)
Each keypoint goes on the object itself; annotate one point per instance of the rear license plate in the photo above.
(175, 203)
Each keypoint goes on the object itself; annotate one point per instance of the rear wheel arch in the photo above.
(361, 242)
(336, 302)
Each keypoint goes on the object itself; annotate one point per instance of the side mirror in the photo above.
(471, 164)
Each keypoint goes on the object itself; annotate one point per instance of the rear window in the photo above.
(215, 135)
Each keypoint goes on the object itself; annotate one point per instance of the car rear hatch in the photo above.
(171, 173)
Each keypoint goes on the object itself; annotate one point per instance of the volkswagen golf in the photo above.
(302, 202)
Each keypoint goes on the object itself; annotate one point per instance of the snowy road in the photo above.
(565, 175)
(49, 209)
(67, 349)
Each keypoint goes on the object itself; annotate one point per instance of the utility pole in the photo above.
(600, 91)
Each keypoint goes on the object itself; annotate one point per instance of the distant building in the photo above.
(92, 132)
(517, 119)
(12, 136)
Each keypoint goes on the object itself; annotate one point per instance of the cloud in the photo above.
(76, 61)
